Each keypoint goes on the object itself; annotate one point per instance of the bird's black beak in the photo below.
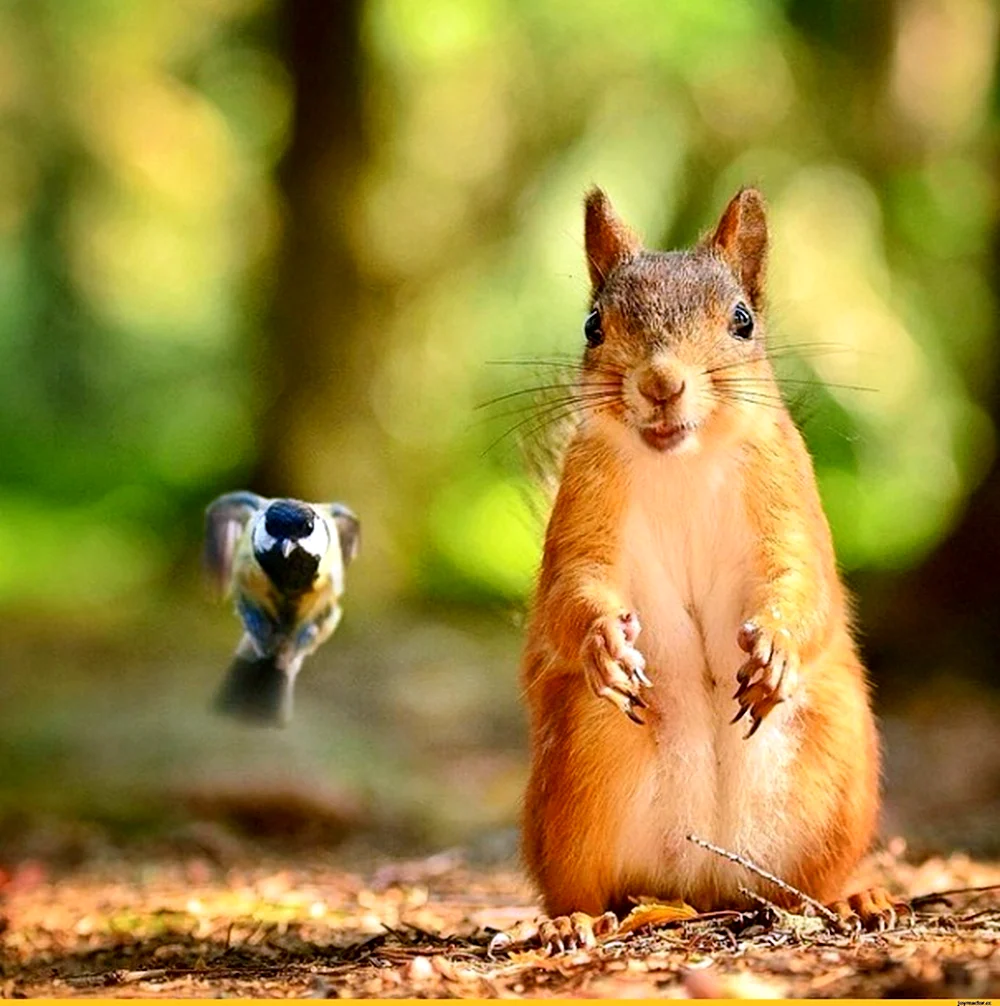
(289, 567)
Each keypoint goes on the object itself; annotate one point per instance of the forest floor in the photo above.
(198, 927)
(147, 849)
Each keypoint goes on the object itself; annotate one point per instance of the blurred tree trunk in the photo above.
(309, 377)
(943, 617)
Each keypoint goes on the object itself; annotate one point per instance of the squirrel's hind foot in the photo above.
(872, 910)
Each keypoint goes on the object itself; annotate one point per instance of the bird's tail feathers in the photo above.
(256, 690)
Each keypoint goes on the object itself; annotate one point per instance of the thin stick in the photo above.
(125, 977)
(759, 898)
(831, 917)
(929, 899)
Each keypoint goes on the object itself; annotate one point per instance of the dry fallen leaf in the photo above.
(655, 913)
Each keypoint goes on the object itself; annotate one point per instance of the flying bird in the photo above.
(283, 561)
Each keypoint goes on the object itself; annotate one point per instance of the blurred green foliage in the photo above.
(137, 142)
(141, 223)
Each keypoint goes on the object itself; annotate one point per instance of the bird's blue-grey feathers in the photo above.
(264, 632)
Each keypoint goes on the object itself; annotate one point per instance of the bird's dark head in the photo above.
(289, 542)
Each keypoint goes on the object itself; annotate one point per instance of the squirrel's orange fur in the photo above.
(688, 509)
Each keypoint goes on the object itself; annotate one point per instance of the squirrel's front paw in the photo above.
(615, 669)
(578, 931)
(770, 673)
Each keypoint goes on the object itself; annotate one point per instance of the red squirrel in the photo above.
(689, 665)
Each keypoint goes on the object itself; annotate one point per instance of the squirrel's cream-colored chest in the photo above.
(687, 569)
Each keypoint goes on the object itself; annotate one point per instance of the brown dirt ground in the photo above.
(421, 928)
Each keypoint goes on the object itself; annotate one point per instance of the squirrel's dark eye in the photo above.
(592, 329)
(742, 322)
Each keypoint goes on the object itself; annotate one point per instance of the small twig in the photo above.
(782, 920)
(760, 899)
(747, 864)
(126, 977)
(976, 917)
(934, 896)
(153, 974)
(434, 939)
(357, 952)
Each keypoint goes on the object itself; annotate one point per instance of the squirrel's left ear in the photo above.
(741, 240)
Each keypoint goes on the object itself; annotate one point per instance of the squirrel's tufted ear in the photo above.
(608, 239)
(741, 240)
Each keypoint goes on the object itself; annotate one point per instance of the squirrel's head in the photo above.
(675, 345)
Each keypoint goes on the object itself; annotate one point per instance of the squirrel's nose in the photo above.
(660, 387)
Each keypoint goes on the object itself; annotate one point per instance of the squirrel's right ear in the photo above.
(608, 239)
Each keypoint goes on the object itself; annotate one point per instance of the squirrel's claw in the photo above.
(769, 675)
(874, 910)
(558, 935)
(615, 669)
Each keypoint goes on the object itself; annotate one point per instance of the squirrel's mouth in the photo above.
(666, 437)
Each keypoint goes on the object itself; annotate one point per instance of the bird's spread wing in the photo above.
(225, 520)
(348, 530)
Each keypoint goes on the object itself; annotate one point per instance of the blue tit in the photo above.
(283, 561)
